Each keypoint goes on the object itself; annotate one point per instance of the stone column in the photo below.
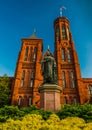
(50, 97)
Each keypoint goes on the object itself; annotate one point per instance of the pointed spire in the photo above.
(33, 36)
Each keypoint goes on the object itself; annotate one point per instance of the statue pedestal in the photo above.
(50, 97)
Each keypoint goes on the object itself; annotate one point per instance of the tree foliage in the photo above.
(4, 91)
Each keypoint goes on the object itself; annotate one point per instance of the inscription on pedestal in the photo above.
(50, 101)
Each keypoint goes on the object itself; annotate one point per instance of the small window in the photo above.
(64, 36)
(31, 83)
(72, 80)
(67, 30)
(19, 101)
(74, 101)
(58, 32)
(90, 89)
(35, 49)
(22, 78)
(65, 100)
(26, 54)
(63, 79)
(68, 55)
(63, 54)
(32, 75)
(23, 74)
(29, 101)
(22, 83)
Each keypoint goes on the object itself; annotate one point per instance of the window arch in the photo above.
(90, 89)
(63, 79)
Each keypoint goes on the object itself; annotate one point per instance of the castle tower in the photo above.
(69, 75)
(27, 75)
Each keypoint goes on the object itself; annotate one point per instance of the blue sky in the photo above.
(18, 18)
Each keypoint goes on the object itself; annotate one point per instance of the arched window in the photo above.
(65, 100)
(29, 101)
(68, 55)
(63, 54)
(90, 89)
(63, 79)
(22, 78)
(64, 36)
(26, 54)
(72, 79)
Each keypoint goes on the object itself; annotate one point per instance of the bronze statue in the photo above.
(49, 69)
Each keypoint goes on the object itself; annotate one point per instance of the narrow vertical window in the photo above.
(22, 78)
(31, 53)
(26, 54)
(19, 101)
(31, 79)
(58, 32)
(29, 101)
(63, 54)
(67, 30)
(31, 83)
(34, 55)
(68, 55)
(64, 36)
(74, 100)
(90, 90)
(63, 79)
(72, 80)
(65, 100)
(32, 75)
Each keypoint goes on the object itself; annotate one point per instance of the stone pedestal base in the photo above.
(50, 97)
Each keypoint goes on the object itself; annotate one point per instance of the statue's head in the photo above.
(48, 53)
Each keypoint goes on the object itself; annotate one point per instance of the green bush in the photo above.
(82, 111)
(13, 112)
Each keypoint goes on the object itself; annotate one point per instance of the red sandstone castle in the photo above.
(28, 77)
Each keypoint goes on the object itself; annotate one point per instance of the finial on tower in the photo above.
(48, 47)
(61, 9)
(34, 30)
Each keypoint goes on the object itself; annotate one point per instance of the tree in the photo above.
(4, 91)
